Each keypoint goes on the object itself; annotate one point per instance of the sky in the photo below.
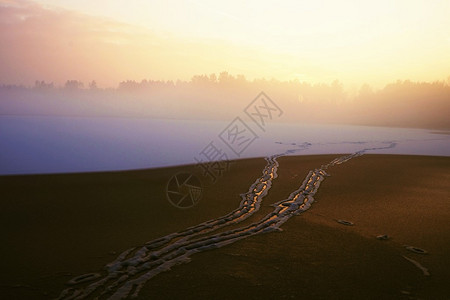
(109, 41)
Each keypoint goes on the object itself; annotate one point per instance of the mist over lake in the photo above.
(46, 144)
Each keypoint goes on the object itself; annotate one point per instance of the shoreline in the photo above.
(191, 165)
(37, 224)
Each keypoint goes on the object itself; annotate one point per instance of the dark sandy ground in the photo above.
(55, 227)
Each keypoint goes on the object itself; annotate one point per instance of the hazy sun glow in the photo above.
(315, 41)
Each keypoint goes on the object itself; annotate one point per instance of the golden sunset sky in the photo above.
(315, 41)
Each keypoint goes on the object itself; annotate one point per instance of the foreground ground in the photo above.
(55, 227)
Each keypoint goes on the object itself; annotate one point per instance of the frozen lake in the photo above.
(30, 145)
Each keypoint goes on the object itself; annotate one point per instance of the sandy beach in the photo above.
(57, 227)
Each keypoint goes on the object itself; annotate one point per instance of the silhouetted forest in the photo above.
(223, 96)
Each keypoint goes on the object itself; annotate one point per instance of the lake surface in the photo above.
(30, 144)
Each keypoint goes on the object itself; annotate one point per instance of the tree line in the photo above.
(402, 103)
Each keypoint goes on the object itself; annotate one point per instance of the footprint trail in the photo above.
(126, 276)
